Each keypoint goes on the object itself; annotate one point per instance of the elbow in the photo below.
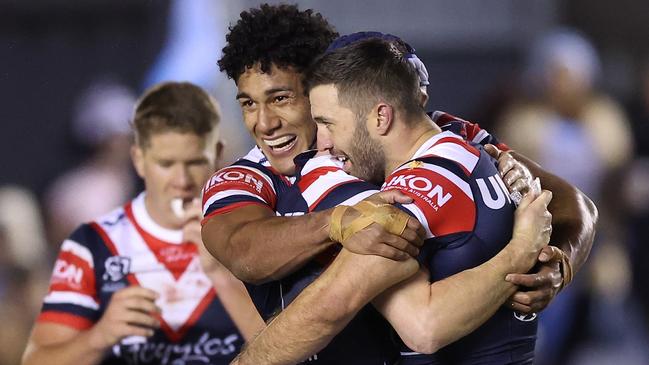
(245, 272)
(423, 336)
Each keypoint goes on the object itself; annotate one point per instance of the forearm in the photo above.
(324, 308)
(429, 316)
(574, 215)
(236, 301)
(258, 246)
(79, 350)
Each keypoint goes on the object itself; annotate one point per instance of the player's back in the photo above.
(464, 206)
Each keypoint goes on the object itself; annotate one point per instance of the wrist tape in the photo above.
(392, 220)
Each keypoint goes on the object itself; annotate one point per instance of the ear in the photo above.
(384, 118)
(218, 155)
(137, 156)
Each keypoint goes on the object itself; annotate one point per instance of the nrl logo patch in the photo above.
(117, 267)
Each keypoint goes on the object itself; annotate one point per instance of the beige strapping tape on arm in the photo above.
(392, 220)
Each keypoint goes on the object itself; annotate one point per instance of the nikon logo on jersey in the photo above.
(233, 175)
(423, 185)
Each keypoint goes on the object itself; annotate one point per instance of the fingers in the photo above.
(134, 330)
(402, 245)
(412, 236)
(520, 185)
(512, 176)
(528, 280)
(492, 150)
(390, 252)
(531, 301)
(193, 210)
(141, 305)
(140, 319)
(544, 199)
(136, 291)
(550, 253)
(393, 196)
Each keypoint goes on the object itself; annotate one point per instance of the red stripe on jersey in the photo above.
(311, 177)
(240, 178)
(72, 273)
(66, 319)
(446, 207)
(231, 207)
(458, 142)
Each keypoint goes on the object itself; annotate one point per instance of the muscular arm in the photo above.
(574, 215)
(326, 306)
(257, 246)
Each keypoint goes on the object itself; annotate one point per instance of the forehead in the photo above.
(176, 144)
(324, 102)
(255, 82)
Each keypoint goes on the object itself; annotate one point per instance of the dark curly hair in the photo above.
(275, 34)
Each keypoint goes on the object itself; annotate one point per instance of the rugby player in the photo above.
(426, 316)
(267, 51)
(135, 286)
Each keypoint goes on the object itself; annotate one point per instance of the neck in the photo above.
(406, 141)
(156, 213)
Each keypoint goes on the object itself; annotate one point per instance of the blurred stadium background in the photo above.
(566, 82)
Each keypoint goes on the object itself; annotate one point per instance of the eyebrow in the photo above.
(320, 119)
(267, 92)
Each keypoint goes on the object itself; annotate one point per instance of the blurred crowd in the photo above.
(556, 112)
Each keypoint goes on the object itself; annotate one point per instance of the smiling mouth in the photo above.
(281, 144)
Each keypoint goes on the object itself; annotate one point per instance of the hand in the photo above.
(131, 312)
(516, 176)
(376, 240)
(532, 225)
(192, 233)
(192, 222)
(543, 285)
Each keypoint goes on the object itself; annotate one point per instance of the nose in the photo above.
(324, 138)
(182, 179)
(267, 120)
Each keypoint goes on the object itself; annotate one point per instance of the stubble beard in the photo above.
(367, 156)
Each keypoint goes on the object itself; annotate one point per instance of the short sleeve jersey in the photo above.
(125, 248)
(465, 208)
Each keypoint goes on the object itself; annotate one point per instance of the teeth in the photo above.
(278, 141)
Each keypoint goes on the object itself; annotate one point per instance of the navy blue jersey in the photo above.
(320, 183)
(466, 211)
(124, 248)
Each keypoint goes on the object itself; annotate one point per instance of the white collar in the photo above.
(145, 221)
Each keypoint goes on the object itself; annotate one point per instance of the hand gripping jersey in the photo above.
(319, 184)
(124, 248)
(466, 211)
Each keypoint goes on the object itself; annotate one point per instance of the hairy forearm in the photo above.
(429, 316)
(574, 215)
(257, 246)
(325, 307)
